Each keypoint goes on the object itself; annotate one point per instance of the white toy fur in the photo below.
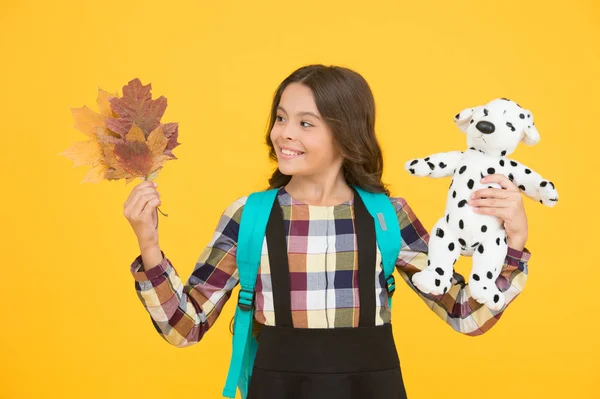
(493, 131)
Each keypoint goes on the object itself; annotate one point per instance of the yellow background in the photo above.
(71, 323)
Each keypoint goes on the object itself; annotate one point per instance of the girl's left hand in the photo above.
(505, 203)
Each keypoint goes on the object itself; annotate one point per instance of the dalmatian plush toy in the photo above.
(493, 132)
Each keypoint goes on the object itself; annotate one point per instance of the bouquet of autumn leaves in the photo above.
(126, 137)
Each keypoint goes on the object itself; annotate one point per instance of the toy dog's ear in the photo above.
(531, 135)
(463, 118)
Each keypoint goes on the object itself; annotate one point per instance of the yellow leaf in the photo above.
(86, 120)
(157, 141)
(83, 152)
(95, 174)
(103, 104)
(135, 134)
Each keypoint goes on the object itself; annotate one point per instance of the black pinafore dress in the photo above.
(325, 363)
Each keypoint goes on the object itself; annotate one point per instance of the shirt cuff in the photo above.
(514, 257)
(140, 273)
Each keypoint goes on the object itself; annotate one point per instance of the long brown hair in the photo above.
(345, 101)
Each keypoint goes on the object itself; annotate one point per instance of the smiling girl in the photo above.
(324, 329)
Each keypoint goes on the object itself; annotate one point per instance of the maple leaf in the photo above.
(136, 106)
(92, 124)
(127, 140)
(137, 156)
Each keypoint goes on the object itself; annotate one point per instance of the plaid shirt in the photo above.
(323, 265)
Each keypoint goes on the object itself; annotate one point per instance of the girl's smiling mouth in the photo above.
(287, 153)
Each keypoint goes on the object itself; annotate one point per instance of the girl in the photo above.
(324, 328)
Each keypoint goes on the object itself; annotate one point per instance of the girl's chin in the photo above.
(289, 171)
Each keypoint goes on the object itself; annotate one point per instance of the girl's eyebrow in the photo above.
(301, 113)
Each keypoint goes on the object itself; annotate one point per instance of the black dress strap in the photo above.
(280, 271)
(367, 246)
(279, 265)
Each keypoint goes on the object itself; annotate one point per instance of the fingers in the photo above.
(490, 202)
(502, 180)
(491, 193)
(138, 198)
(142, 202)
(502, 213)
(134, 192)
(150, 207)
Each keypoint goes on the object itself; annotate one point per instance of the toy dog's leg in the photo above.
(444, 250)
(488, 260)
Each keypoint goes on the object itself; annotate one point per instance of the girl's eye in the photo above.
(280, 116)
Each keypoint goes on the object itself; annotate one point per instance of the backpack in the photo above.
(253, 224)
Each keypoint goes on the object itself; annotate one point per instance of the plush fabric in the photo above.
(493, 132)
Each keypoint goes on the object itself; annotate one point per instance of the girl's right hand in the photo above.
(140, 211)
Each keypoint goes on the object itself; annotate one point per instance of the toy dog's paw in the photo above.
(548, 193)
(419, 166)
(429, 281)
(484, 291)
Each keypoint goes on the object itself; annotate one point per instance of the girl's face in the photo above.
(300, 129)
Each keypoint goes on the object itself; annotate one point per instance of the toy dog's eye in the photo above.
(510, 125)
(485, 112)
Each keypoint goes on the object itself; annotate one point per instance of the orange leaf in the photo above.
(130, 151)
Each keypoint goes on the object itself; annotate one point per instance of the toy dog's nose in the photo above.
(485, 127)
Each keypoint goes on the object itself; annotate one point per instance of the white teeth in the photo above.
(287, 152)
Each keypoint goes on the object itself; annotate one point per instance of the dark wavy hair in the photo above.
(345, 102)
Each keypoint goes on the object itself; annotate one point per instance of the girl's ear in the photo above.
(463, 118)
(530, 133)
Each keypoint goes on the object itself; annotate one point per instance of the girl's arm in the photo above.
(456, 307)
(183, 313)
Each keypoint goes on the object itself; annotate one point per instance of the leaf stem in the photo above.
(157, 210)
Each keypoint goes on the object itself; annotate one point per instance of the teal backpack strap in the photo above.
(387, 232)
(253, 225)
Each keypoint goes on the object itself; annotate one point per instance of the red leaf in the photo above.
(136, 106)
